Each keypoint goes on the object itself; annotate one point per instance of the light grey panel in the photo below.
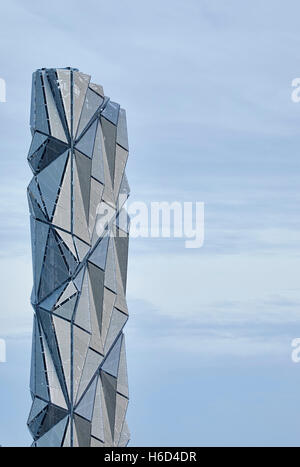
(125, 436)
(69, 292)
(109, 135)
(62, 213)
(95, 199)
(121, 408)
(92, 363)
(92, 103)
(122, 384)
(80, 223)
(82, 315)
(66, 310)
(81, 82)
(98, 257)
(121, 159)
(87, 141)
(63, 335)
(96, 285)
(97, 88)
(111, 363)
(124, 188)
(82, 248)
(98, 417)
(111, 112)
(95, 443)
(81, 341)
(64, 79)
(109, 299)
(86, 405)
(97, 163)
(67, 240)
(79, 278)
(117, 322)
(122, 137)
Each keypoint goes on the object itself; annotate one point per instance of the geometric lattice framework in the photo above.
(79, 231)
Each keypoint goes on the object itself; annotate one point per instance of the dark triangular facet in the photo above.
(45, 319)
(84, 167)
(121, 244)
(53, 415)
(52, 78)
(109, 384)
(109, 135)
(97, 286)
(83, 430)
(41, 122)
(55, 270)
(38, 381)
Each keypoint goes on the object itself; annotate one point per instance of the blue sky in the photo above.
(207, 89)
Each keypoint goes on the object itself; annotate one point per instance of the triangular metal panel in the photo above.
(87, 140)
(64, 80)
(122, 137)
(86, 405)
(111, 363)
(92, 363)
(49, 181)
(63, 335)
(109, 384)
(98, 418)
(56, 127)
(92, 103)
(53, 437)
(62, 213)
(122, 382)
(109, 136)
(81, 340)
(81, 82)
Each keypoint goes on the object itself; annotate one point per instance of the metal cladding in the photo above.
(79, 231)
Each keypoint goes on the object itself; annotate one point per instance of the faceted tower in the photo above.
(79, 231)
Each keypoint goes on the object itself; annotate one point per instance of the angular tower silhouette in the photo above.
(79, 230)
